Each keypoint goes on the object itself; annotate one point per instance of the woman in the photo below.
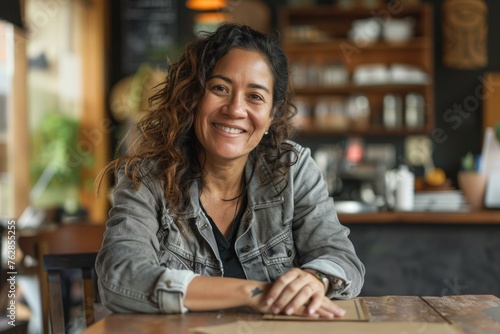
(215, 208)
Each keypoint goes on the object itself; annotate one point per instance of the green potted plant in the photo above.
(57, 161)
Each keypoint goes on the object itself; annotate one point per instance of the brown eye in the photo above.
(256, 97)
(219, 88)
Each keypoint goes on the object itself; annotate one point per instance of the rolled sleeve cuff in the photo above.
(330, 268)
(171, 289)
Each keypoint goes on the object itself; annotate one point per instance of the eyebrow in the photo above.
(252, 85)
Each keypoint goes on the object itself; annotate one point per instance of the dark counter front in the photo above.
(429, 254)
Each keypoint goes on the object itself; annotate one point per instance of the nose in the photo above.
(235, 106)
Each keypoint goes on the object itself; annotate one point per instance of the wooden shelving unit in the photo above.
(330, 44)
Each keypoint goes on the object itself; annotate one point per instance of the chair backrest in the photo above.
(54, 264)
(72, 238)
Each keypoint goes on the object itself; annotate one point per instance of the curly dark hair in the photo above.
(166, 135)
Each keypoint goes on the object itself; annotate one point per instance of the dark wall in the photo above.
(117, 69)
(117, 65)
(454, 86)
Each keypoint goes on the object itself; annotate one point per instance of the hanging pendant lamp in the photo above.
(206, 4)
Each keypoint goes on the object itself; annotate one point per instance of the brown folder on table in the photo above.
(344, 327)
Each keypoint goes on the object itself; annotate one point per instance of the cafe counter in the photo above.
(391, 217)
(427, 253)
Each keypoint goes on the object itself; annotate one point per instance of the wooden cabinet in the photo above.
(354, 72)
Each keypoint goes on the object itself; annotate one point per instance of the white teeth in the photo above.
(228, 129)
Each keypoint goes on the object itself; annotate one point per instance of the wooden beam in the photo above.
(18, 129)
(491, 105)
(96, 125)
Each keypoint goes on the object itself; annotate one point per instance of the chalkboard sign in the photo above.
(150, 30)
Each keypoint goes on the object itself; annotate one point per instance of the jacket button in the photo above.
(245, 249)
(169, 283)
(289, 252)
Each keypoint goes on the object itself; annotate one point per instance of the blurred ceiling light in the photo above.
(208, 22)
(206, 4)
(213, 18)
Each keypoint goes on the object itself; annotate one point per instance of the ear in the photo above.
(270, 121)
(274, 110)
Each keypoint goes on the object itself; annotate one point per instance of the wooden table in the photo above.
(475, 314)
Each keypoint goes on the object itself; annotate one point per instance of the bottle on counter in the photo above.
(405, 189)
(393, 111)
(414, 112)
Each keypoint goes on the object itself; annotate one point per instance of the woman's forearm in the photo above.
(215, 293)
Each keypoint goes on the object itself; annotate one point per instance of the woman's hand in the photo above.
(299, 292)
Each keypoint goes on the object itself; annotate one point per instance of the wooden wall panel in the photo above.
(491, 106)
(96, 126)
(18, 138)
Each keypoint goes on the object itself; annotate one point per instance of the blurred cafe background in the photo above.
(399, 101)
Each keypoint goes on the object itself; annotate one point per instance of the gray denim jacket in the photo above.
(147, 262)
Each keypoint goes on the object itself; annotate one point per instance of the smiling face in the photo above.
(236, 108)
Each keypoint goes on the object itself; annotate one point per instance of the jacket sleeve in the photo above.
(130, 276)
(322, 242)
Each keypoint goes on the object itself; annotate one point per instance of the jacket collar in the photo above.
(258, 194)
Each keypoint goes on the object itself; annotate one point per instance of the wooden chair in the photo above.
(64, 239)
(55, 264)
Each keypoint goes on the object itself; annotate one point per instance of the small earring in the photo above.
(266, 132)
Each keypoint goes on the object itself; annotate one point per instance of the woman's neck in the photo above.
(223, 186)
(223, 181)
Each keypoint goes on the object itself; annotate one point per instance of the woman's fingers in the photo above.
(278, 287)
(302, 298)
(291, 296)
(293, 290)
(315, 304)
(328, 307)
(300, 293)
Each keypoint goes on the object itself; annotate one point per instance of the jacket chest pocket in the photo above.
(198, 265)
(175, 259)
(175, 251)
(278, 255)
(179, 254)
